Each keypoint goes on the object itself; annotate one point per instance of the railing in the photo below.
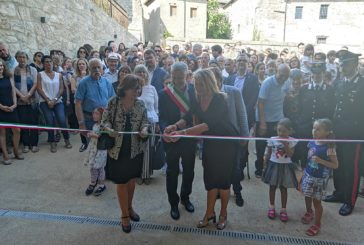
(114, 10)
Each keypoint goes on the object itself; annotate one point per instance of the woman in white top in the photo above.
(150, 98)
(50, 89)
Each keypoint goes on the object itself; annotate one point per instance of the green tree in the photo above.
(218, 24)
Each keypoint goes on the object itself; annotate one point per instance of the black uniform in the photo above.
(315, 101)
(349, 124)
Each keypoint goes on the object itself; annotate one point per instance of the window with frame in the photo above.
(193, 12)
(172, 10)
(321, 39)
(298, 13)
(323, 11)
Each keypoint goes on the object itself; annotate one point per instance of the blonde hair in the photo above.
(207, 80)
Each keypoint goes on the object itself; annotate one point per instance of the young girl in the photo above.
(321, 158)
(96, 158)
(306, 60)
(278, 167)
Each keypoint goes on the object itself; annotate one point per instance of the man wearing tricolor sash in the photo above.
(174, 103)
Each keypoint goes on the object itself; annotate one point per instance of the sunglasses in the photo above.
(157, 51)
(82, 52)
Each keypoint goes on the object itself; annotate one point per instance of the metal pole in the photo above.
(285, 23)
(184, 26)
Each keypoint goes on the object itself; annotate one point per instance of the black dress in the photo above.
(6, 99)
(219, 156)
(124, 168)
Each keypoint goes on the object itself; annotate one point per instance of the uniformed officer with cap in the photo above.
(348, 124)
(315, 100)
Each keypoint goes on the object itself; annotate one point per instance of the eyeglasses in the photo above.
(157, 50)
(39, 55)
(245, 61)
(82, 52)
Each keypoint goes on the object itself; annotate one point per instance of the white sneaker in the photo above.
(25, 149)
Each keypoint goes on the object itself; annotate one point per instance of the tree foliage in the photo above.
(218, 24)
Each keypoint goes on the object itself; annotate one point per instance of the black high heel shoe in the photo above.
(126, 228)
(205, 222)
(133, 215)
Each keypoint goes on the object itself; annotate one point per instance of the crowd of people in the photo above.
(191, 90)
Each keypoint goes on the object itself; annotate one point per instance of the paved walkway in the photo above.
(46, 183)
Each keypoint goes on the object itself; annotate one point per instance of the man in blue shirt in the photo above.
(270, 110)
(93, 91)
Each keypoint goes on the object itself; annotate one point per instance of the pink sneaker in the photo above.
(283, 216)
(272, 213)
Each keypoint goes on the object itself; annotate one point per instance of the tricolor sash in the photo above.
(178, 98)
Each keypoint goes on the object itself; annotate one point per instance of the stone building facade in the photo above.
(298, 21)
(184, 19)
(68, 24)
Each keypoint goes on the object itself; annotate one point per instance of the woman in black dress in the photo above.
(8, 113)
(219, 156)
(126, 113)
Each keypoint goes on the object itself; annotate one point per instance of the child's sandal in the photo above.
(271, 213)
(307, 218)
(283, 216)
(313, 230)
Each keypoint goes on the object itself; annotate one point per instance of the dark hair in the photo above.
(257, 67)
(272, 56)
(217, 48)
(149, 52)
(322, 56)
(308, 47)
(300, 44)
(123, 68)
(88, 47)
(130, 81)
(78, 51)
(285, 122)
(6, 72)
(331, 53)
(108, 48)
(327, 124)
(109, 42)
(46, 57)
(292, 58)
(36, 53)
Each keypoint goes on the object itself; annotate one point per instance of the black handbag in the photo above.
(105, 141)
(157, 154)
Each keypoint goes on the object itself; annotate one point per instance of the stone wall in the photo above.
(263, 20)
(343, 26)
(68, 25)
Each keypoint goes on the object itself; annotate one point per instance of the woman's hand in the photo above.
(144, 133)
(167, 131)
(113, 133)
(12, 108)
(50, 103)
(5, 108)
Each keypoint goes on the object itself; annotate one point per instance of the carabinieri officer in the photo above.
(348, 124)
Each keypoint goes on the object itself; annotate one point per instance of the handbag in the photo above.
(157, 154)
(105, 142)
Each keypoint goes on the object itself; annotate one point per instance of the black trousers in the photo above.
(185, 150)
(261, 144)
(238, 171)
(28, 115)
(347, 175)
